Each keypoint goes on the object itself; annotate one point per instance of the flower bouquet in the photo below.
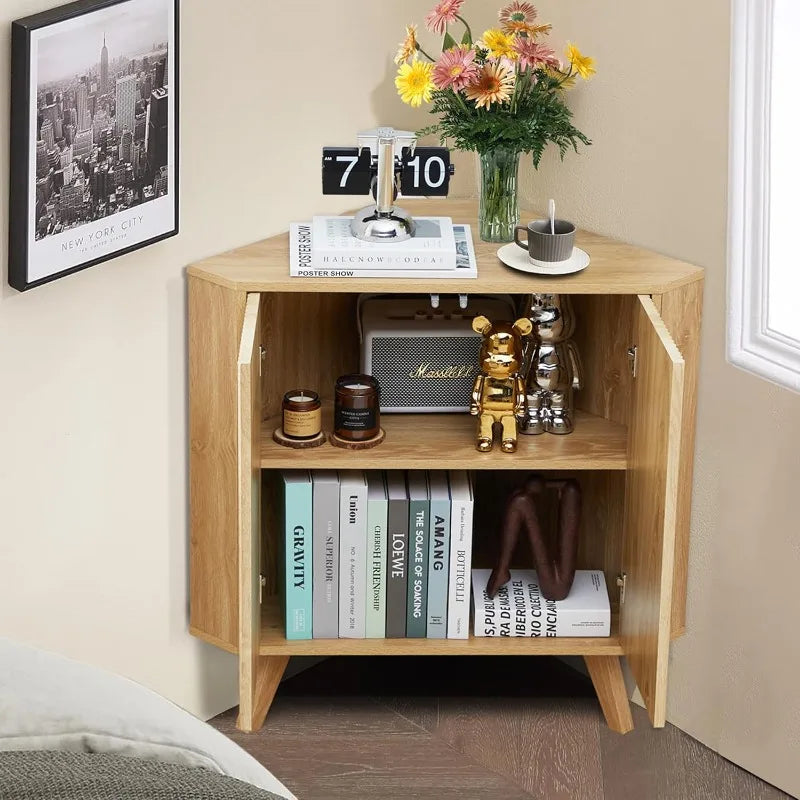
(501, 95)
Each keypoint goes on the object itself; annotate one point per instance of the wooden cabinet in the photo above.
(253, 332)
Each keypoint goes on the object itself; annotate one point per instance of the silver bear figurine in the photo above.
(552, 365)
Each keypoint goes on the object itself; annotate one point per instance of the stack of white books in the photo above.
(325, 248)
(520, 609)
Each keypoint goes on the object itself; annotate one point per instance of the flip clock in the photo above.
(386, 162)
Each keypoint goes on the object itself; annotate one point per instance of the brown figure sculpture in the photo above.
(556, 570)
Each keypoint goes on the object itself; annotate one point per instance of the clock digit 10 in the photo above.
(426, 171)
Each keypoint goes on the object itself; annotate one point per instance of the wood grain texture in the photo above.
(606, 675)
(547, 746)
(602, 527)
(274, 642)
(616, 268)
(310, 340)
(249, 522)
(215, 323)
(603, 335)
(328, 748)
(682, 311)
(504, 731)
(650, 504)
(667, 764)
(447, 441)
(269, 672)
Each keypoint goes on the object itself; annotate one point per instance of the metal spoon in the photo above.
(551, 209)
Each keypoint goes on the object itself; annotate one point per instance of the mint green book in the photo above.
(297, 504)
(419, 507)
(377, 519)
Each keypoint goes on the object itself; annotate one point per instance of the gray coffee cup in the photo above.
(543, 245)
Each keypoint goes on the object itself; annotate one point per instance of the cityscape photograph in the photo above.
(102, 118)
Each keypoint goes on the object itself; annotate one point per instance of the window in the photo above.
(763, 257)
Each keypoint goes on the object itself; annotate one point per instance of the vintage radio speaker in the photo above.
(425, 359)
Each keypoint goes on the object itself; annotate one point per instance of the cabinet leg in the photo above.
(269, 671)
(606, 675)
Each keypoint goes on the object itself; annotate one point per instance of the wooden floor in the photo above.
(473, 728)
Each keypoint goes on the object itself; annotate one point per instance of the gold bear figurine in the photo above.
(499, 393)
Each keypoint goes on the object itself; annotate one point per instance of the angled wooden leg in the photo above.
(606, 675)
(253, 707)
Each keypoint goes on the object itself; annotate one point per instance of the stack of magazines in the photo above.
(325, 248)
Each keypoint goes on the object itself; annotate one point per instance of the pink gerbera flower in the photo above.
(444, 12)
(517, 17)
(455, 69)
(534, 55)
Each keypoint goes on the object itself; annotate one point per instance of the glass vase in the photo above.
(499, 206)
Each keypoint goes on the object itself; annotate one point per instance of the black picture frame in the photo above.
(22, 218)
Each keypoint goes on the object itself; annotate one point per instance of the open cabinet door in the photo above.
(258, 676)
(654, 437)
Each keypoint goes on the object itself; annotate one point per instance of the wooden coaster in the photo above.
(365, 445)
(297, 444)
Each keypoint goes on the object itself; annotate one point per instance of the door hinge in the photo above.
(622, 580)
(262, 582)
(262, 354)
(633, 359)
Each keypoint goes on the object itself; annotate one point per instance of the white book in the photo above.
(458, 594)
(377, 512)
(352, 554)
(333, 246)
(519, 609)
(301, 266)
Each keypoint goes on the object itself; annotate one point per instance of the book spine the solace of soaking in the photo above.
(418, 532)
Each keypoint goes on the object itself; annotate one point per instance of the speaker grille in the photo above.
(396, 358)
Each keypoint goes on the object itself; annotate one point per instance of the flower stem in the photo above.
(425, 54)
(466, 25)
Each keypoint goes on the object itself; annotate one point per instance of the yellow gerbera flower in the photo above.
(408, 47)
(498, 44)
(582, 64)
(414, 83)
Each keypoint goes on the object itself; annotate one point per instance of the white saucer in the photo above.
(512, 255)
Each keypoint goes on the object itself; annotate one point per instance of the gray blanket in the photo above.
(47, 775)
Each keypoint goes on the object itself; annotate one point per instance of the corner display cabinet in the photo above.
(254, 332)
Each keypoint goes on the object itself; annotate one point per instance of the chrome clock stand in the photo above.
(383, 222)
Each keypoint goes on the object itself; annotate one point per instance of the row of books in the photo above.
(377, 554)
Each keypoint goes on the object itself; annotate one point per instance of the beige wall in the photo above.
(93, 475)
(656, 176)
(92, 367)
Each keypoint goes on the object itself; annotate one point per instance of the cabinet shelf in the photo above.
(274, 643)
(447, 441)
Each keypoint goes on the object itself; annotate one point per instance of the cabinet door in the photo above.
(654, 436)
(249, 432)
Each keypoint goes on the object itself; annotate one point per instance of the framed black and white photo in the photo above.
(94, 135)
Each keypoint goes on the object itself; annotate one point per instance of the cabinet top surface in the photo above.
(616, 267)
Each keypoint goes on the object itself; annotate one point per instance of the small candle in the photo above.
(357, 415)
(302, 414)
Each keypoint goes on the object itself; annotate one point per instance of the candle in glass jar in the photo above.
(302, 414)
(357, 415)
